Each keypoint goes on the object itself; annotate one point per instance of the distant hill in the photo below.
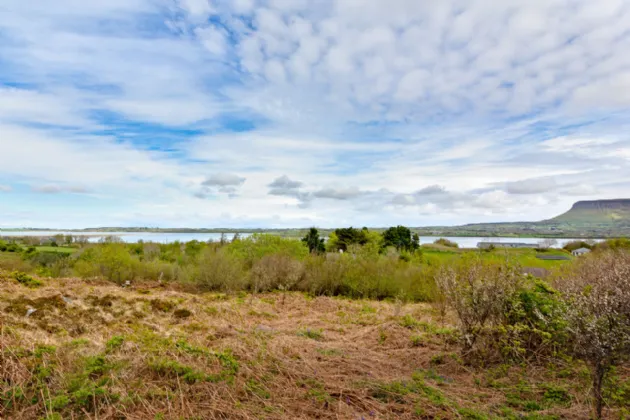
(596, 212)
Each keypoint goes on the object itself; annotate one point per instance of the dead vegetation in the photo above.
(77, 349)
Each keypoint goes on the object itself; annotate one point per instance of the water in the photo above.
(132, 237)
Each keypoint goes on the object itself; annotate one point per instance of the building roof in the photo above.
(581, 250)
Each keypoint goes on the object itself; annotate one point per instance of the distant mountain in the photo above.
(596, 212)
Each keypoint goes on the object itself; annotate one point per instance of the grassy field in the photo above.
(523, 257)
(96, 350)
(60, 249)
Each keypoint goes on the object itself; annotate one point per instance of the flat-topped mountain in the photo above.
(596, 212)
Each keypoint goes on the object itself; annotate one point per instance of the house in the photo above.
(580, 251)
(486, 245)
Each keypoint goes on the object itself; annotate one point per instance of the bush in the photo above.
(110, 260)
(479, 292)
(219, 270)
(597, 295)
(446, 242)
(573, 245)
(277, 271)
(253, 248)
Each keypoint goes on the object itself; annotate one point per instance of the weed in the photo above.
(256, 388)
(162, 305)
(172, 368)
(114, 343)
(313, 334)
(408, 321)
(417, 341)
(26, 280)
(554, 394)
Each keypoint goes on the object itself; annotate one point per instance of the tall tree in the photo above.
(400, 238)
(314, 242)
(350, 236)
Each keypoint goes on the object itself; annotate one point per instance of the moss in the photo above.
(173, 369)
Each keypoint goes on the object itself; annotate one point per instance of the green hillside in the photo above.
(597, 212)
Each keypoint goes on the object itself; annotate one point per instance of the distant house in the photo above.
(580, 251)
(486, 245)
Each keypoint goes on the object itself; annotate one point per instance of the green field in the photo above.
(523, 257)
(59, 249)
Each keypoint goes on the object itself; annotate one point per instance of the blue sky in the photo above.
(291, 113)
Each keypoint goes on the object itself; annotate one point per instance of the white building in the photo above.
(580, 251)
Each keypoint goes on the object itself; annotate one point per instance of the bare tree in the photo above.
(547, 243)
(597, 296)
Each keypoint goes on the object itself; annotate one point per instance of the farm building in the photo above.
(486, 245)
(580, 251)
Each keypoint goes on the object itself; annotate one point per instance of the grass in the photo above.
(111, 351)
(59, 249)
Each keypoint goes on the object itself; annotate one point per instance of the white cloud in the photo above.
(5, 188)
(435, 111)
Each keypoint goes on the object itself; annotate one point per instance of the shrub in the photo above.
(26, 280)
(253, 248)
(446, 242)
(219, 270)
(479, 293)
(276, 272)
(109, 260)
(597, 295)
(573, 245)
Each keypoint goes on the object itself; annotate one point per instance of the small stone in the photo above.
(30, 311)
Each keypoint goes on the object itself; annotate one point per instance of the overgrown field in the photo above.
(369, 267)
(96, 350)
(266, 327)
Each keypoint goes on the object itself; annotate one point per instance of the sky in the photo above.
(296, 113)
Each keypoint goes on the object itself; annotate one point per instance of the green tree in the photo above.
(350, 236)
(400, 238)
(314, 242)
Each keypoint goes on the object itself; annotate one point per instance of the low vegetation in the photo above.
(266, 327)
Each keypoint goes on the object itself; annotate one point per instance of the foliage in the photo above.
(314, 243)
(613, 244)
(479, 292)
(26, 280)
(253, 248)
(446, 242)
(219, 270)
(345, 237)
(400, 237)
(276, 272)
(597, 295)
(573, 245)
(9, 247)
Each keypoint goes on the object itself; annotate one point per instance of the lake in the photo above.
(132, 237)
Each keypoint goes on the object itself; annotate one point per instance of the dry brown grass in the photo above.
(298, 357)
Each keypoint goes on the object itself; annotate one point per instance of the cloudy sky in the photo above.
(282, 113)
